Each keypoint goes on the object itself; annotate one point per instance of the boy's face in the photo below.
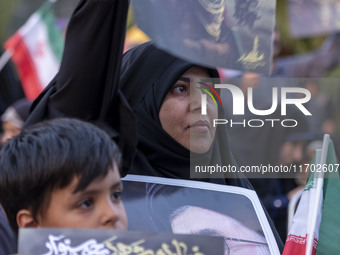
(97, 206)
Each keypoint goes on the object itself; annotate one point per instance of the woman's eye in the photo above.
(179, 89)
(86, 204)
(115, 196)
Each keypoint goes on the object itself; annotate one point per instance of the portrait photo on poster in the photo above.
(191, 207)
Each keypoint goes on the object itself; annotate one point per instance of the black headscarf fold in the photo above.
(86, 86)
(147, 75)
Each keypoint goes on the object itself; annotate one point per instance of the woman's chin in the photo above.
(200, 147)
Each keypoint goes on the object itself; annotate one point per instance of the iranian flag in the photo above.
(36, 49)
(316, 224)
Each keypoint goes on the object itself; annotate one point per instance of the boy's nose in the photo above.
(109, 215)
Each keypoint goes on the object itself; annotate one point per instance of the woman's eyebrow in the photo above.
(185, 79)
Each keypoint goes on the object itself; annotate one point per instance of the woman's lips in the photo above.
(200, 126)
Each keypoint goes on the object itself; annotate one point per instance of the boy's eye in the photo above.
(86, 204)
(115, 196)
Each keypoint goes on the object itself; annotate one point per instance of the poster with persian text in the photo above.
(111, 242)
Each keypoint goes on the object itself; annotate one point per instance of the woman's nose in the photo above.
(195, 100)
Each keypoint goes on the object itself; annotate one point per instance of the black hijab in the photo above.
(147, 75)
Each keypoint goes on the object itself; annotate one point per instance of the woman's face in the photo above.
(180, 114)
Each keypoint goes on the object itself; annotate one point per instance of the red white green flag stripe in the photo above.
(36, 49)
(319, 234)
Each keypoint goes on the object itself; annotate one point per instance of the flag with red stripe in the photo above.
(318, 234)
(36, 49)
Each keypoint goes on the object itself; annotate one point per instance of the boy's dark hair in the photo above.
(47, 156)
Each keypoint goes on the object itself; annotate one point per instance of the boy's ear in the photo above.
(25, 219)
